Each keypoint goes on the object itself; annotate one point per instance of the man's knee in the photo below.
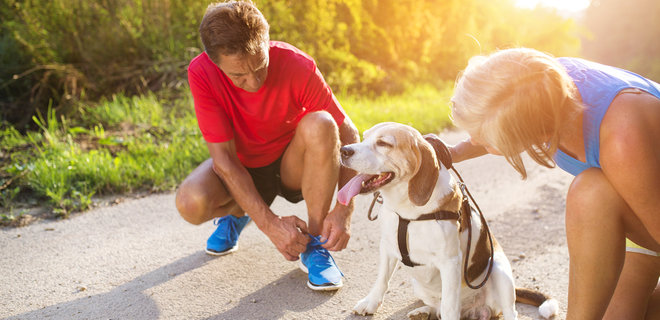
(319, 127)
(191, 205)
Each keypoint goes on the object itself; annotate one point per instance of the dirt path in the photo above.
(140, 260)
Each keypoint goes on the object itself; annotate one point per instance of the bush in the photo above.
(65, 51)
(62, 50)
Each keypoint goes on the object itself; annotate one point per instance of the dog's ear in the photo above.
(422, 183)
(442, 153)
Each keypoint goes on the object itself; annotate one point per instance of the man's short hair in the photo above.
(234, 27)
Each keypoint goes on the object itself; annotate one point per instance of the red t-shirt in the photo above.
(262, 123)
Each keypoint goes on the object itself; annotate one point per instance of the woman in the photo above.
(599, 123)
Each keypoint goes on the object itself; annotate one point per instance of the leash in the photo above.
(466, 206)
(444, 155)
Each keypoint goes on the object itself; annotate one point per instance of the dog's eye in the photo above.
(382, 143)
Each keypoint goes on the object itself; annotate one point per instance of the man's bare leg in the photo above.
(311, 164)
(202, 196)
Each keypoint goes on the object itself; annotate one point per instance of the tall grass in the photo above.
(125, 145)
(143, 143)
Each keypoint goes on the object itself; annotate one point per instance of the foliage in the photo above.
(152, 147)
(66, 51)
(80, 75)
(128, 144)
(383, 45)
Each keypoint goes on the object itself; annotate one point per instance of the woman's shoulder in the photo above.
(631, 122)
(633, 107)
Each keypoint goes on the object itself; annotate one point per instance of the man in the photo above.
(272, 127)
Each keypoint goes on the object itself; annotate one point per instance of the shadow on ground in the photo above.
(283, 296)
(127, 301)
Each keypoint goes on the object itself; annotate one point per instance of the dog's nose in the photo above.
(346, 152)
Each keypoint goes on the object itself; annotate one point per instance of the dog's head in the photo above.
(391, 154)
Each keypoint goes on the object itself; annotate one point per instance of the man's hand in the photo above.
(289, 235)
(336, 228)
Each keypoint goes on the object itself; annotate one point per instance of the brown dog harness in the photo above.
(402, 233)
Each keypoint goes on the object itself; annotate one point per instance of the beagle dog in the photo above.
(403, 166)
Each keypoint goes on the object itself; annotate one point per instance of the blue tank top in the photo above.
(598, 85)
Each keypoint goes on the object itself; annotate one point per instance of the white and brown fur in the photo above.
(421, 185)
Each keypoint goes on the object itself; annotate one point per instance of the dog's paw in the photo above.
(421, 313)
(366, 306)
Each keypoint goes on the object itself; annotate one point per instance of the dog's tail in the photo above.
(548, 306)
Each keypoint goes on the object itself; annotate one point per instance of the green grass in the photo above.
(424, 107)
(121, 145)
(129, 144)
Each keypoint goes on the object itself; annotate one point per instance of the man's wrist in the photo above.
(345, 212)
(264, 221)
(346, 209)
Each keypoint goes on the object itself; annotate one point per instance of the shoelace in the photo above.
(316, 241)
(231, 225)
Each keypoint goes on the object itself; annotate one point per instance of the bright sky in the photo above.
(561, 5)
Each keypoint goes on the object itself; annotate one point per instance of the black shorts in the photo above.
(269, 183)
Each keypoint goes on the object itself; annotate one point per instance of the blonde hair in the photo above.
(516, 100)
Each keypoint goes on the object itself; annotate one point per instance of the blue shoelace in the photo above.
(233, 232)
(316, 241)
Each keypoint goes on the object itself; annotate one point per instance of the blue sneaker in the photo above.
(224, 239)
(323, 273)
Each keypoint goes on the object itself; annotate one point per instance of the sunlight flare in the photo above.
(561, 5)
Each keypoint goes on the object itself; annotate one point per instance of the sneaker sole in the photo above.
(326, 287)
(217, 254)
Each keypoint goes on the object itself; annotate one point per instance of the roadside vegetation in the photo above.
(145, 143)
(62, 52)
(94, 99)
(121, 145)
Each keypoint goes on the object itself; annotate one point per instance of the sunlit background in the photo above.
(571, 6)
(58, 52)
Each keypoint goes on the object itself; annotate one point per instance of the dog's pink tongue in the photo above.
(351, 188)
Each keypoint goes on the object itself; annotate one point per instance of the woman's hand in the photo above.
(465, 150)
